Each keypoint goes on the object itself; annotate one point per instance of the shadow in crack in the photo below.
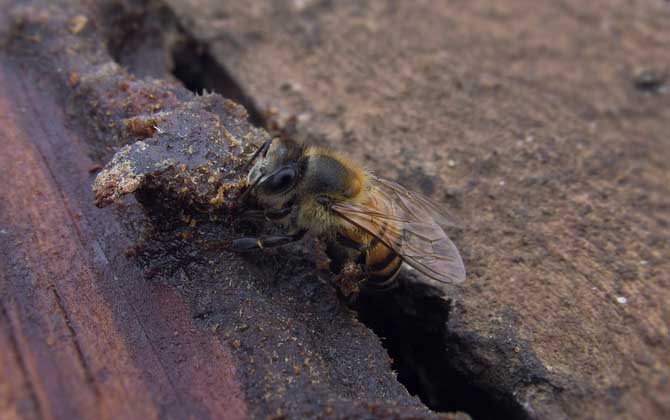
(411, 322)
(200, 72)
(147, 39)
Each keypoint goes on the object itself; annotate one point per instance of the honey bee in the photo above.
(367, 222)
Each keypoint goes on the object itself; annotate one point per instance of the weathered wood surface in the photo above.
(88, 338)
(547, 122)
(525, 115)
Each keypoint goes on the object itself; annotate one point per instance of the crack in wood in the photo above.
(88, 374)
(14, 344)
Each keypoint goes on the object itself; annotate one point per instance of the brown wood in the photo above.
(544, 124)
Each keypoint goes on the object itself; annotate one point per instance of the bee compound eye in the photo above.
(280, 181)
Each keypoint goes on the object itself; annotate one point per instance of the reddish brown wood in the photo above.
(17, 397)
(78, 341)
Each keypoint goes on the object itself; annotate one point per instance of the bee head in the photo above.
(274, 174)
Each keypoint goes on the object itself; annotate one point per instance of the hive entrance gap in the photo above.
(426, 356)
(195, 67)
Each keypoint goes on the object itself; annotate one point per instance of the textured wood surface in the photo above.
(83, 334)
(544, 124)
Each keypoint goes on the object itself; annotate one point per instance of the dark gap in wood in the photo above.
(13, 342)
(427, 356)
(200, 73)
(90, 378)
(149, 40)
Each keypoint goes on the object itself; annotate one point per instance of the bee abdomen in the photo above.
(383, 266)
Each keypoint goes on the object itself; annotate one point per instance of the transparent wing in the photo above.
(406, 222)
(414, 203)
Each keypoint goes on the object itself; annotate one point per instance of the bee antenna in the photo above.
(263, 149)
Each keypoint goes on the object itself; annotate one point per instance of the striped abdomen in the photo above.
(382, 263)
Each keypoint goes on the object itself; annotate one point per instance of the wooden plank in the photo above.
(33, 307)
(91, 349)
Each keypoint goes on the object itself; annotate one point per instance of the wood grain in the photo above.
(86, 342)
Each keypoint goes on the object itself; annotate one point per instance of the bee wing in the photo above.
(408, 228)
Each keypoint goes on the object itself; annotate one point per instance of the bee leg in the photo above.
(277, 214)
(251, 243)
(268, 214)
(252, 215)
